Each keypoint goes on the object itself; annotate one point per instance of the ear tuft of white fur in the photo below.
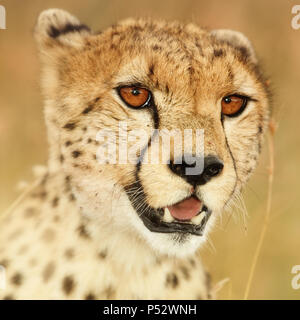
(236, 39)
(57, 25)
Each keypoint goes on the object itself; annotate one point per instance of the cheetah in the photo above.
(93, 229)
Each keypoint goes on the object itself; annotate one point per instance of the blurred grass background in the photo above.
(268, 24)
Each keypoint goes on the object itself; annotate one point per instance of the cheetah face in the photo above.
(136, 81)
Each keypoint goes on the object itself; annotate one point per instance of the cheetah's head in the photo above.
(118, 92)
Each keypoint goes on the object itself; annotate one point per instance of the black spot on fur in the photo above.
(219, 53)
(68, 179)
(68, 285)
(70, 126)
(244, 51)
(156, 48)
(68, 143)
(192, 262)
(67, 184)
(151, 70)
(53, 32)
(172, 280)
(55, 202)
(62, 158)
(103, 254)
(113, 46)
(76, 153)
(90, 296)
(17, 279)
(82, 232)
(87, 109)
(185, 272)
(8, 297)
(248, 171)
(68, 28)
(191, 71)
(167, 89)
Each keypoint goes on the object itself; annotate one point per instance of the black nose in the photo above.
(211, 168)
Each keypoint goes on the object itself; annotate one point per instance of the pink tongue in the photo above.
(186, 209)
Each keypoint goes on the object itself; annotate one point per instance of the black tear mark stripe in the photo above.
(233, 162)
(155, 116)
(68, 28)
(139, 163)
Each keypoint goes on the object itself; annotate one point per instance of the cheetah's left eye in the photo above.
(233, 105)
(135, 97)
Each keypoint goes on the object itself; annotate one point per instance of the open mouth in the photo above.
(183, 217)
(187, 216)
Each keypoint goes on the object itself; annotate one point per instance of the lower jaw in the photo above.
(152, 218)
(154, 223)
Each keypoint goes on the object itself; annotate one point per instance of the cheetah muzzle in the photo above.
(161, 219)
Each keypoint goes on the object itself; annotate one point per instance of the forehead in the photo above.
(168, 56)
(176, 44)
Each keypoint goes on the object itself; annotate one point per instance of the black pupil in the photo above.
(135, 92)
(227, 100)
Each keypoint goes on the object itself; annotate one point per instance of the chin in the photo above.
(175, 244)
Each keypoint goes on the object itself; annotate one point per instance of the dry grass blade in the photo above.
(272, 129)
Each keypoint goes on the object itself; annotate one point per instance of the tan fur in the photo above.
(76, 235)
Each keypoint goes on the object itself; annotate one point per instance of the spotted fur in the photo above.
(75, 233)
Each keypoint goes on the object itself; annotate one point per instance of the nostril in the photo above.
(214, 169)
(177, 168)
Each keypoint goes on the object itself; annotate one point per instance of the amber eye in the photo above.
(233, 105)
(135, 97)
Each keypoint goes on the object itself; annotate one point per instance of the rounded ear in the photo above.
(56, 27)
(237, 40)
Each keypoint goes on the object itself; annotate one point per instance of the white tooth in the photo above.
(197, 219)
(167, 216)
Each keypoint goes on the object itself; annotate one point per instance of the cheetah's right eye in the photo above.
(233, 105)
(135, 97)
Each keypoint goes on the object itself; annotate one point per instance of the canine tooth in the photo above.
(167, 216)
(197, 219)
